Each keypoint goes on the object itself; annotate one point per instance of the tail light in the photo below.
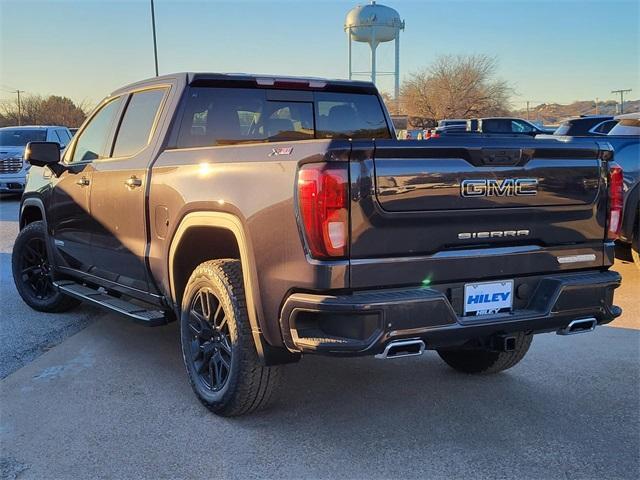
(323, 195)
(615, 200)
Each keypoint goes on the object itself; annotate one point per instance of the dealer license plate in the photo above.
(488, 298)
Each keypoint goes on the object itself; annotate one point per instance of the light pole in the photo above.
(155, 44)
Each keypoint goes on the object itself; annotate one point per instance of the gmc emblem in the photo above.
(509, 187)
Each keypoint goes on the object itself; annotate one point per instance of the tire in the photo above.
(486, 361)
(32, 272)
(218, 349)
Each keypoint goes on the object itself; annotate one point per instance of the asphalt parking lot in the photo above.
(90, 394)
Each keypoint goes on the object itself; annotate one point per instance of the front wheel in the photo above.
(32, 272)
(217, 344)
(486, 361)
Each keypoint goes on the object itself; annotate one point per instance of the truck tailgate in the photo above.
(462, 199)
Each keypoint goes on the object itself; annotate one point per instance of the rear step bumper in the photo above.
(366, 323)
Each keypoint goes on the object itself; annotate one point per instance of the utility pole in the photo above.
(597, 105)
(155, 44)
(621, 92)
(527, 110)
(18, 92)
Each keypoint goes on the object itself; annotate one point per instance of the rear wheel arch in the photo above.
(204, 236)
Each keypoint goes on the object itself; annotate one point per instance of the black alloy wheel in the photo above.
(211, 350)
(218, 346)
(35, 270)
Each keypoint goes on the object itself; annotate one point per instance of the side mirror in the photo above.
(44, 154)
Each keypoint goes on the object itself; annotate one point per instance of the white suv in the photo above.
(13, 140)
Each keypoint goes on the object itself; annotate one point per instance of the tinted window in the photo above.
(605, 127)
(92, 142)
(16, 137)
(343, 115)
(64, 136)
(497, 126)
(225, 116)
(137, 122)
(521, 127)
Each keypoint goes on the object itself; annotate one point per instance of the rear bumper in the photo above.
(362, 323)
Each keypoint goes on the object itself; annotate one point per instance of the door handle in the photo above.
(133, 182)
(83, 182)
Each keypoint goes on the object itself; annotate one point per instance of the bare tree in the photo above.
(36, 110)
(391, 103)
(457, 86)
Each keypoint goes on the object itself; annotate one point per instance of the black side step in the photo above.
(151, 318)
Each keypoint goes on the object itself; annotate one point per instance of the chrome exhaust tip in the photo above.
(402, 348)
(582, 325)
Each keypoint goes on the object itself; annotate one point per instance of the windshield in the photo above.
(563, 129)
(15, 137)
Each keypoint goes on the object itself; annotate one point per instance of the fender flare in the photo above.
(249, 274)
(33, 202)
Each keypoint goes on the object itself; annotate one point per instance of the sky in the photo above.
(549, 51)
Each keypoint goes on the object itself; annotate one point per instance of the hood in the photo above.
(8, 152)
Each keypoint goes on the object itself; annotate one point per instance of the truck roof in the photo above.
(34, 127)
(260, 80)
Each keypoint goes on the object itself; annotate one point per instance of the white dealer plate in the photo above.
(487, 298)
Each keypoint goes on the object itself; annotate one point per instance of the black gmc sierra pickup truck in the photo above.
(276, 217)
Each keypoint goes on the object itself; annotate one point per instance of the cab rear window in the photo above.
(227, 116)
(348, 115)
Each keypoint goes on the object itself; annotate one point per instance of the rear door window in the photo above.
(137, 122)
(497, 125)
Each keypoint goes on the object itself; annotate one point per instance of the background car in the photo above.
(586, 125)
(493, 125)
(13, 140)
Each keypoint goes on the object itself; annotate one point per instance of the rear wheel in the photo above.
(486, 361)
(32, 272)
(217, 344)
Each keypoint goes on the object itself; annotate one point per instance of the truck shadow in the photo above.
(351, 409)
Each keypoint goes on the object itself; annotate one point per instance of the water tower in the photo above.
(375, 24)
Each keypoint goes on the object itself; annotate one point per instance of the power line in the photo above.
(621, 92)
